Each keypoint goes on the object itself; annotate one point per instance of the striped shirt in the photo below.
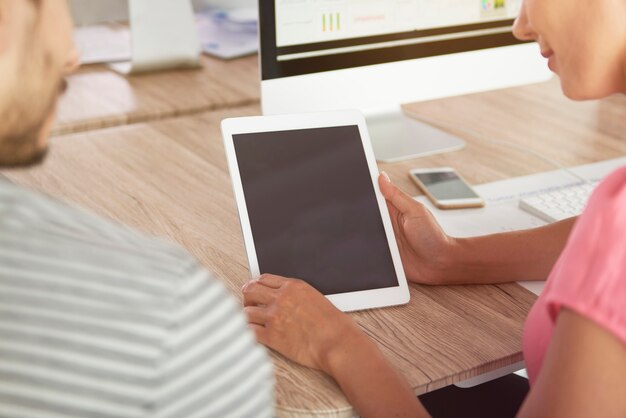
(99, 321)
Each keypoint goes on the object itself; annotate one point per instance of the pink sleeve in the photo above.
(591, 276)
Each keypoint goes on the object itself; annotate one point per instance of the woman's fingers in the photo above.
(261, 333)
(256, 315)
(272, 281)
(256, 293)
(400, 200)
(262, 291)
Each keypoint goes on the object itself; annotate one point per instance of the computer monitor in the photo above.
(375, 55)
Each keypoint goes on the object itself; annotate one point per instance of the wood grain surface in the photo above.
(536, 117)
(170, 179)
(98, 97)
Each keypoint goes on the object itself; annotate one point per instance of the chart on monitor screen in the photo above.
(345, 19)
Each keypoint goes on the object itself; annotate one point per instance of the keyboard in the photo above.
(559, 204)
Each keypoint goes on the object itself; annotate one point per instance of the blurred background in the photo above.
(88, 12)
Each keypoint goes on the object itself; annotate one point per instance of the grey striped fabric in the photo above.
(99, 321)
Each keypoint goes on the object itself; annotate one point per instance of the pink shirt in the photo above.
(590, 275)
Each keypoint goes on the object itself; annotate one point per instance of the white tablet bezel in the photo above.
(352, 301)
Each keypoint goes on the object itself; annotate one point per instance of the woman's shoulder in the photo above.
(611, 191)
(602, 225)
(600, 232)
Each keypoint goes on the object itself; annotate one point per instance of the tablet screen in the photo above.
(313, 210)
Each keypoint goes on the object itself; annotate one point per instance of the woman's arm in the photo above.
(429, 256)
(369, 382)
(296, 320)
(583, 374)
(521, 255)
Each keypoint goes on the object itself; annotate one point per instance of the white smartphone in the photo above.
(446, 188)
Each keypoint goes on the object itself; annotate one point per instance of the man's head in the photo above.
(36, 53)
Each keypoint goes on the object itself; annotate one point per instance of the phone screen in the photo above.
(446, 185)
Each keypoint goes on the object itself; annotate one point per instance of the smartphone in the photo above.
(445, 188)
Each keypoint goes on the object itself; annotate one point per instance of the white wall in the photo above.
(92, 11)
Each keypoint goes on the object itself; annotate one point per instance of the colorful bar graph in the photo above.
(331, 22)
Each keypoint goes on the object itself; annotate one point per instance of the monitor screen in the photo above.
(309, 36)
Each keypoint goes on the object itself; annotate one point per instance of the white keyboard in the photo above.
(559, 204)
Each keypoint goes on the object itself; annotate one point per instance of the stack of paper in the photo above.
(229, 34)
(103, 43)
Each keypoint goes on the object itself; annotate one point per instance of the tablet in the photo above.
(307, 192)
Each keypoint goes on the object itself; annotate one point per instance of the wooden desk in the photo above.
(101, 98)
(170, 178)
(537, 117)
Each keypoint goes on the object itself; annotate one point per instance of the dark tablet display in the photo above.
(313, 210)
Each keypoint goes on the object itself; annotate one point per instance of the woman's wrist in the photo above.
(339, 353)
(449, 267)
(369, 381)
(463, 263)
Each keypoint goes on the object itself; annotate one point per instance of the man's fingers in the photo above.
(400, 200)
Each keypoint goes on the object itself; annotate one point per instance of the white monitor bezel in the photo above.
(377, 88)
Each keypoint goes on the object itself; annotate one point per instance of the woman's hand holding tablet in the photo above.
(310, 207)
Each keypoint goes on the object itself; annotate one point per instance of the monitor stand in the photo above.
(396, 137)
(164, 36)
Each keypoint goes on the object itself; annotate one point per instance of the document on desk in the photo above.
(103, 43)
(229, 34)
(502, 214)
